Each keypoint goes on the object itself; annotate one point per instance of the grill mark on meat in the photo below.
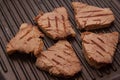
(85, 42)
(56, 21)
(25, 34)
(59, 56)
(67, 53)
(64, 23)
(98, 45)
(55, 61)
(98, 15)
(100, 53)
(100, 40)
(44, 56)
(29, 38)
(63, 58)
(91, 11)
(49, 24)
(51, 60)
(68, 46)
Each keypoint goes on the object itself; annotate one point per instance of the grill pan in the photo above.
(22, 67)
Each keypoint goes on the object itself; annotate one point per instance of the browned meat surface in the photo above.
(55, 24)
(60, 60)
(99, 49)
(91, 17)
(26, 40)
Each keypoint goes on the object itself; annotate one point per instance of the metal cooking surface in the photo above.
(22, 67)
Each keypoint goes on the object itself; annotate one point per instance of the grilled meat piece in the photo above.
(55, 24)
(26, 40)
(99, 48)
(91, 17)
(59, 60)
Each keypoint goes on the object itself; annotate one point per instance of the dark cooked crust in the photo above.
(59, 60)
(26, 40)
(97, 49)
(91, 17)
(55, 24)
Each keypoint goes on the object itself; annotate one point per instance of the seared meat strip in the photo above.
(26, 40)
(91, 17)
(60, 60)
(99, 48)
(55, 24)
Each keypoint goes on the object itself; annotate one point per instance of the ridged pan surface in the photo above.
(21, 67)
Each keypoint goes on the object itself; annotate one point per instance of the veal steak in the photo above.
(59, 60)
(90, 17)
(55, 24)
(99, 48)
(26, 40)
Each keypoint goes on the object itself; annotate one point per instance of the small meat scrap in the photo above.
(91, 17)
(59, 60)
(26, 40)
(99, 48)
(55, 24)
